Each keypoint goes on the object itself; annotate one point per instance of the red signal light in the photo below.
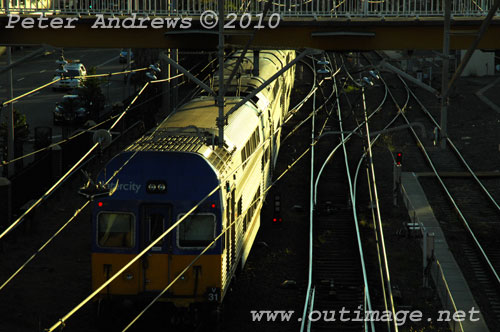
(213, 206)
(399, 158)
(99, 204)
(274, 219)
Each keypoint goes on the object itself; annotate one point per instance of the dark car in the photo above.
(70, 110)
(124, 55)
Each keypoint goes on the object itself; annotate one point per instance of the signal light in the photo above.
(399, 158)
(274, 220)
(99, 204)
(213, 206)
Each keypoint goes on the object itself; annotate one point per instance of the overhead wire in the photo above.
(77, 211)
(4, 163)
(65, 176)
(10, 101)
(62, 321)
(90, 129)
(80, 209)
(261, 196)
(225, 229)
(49, 191)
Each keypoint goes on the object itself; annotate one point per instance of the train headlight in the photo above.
(156, 187)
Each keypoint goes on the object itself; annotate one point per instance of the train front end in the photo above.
(156, 189)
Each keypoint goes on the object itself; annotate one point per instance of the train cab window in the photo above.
(197, 230)
(156, 225)
(115, 230)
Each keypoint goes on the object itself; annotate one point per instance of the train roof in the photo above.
(193, 129)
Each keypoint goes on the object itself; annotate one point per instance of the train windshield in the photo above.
(115, 230)
(197, 230)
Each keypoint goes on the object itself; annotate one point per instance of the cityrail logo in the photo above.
(207, 20)
(346, 315)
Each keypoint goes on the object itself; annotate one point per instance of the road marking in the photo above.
(42, 71)
(106, 62)
(19, 80)
(54, 136)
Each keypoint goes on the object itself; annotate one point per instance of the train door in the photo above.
(157, 262)
(230, 233)
(233, 227)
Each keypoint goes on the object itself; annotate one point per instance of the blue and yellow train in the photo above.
(170, 169)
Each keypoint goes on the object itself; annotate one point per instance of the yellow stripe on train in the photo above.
(155, 272)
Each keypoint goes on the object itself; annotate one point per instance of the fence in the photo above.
(436, 272)
(286, 8)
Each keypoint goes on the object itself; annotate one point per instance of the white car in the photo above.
(68, 74)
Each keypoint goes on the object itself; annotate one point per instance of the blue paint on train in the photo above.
(188, 178)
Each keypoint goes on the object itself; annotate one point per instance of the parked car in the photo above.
(71, 110)
(68, 74)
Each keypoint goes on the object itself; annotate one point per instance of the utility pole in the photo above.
(10, 116)
(220, 96)
(129, 67)
(444, 74)
(166, 100)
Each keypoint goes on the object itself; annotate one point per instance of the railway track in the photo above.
(338, 272)
(337, 269)
(465, 207)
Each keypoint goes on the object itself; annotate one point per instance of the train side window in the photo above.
(115, 230)
(156, 225)
(196, 231)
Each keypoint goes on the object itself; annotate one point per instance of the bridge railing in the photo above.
(286, 8)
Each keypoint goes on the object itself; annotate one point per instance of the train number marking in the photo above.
(213, 294)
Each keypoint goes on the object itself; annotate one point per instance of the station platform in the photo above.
(451, 284)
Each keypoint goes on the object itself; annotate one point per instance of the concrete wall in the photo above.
(480, 64)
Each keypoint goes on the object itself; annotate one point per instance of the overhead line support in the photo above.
(271, 79)
(221, 92)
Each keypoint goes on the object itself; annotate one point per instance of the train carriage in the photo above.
(170, 169)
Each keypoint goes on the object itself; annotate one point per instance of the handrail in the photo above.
(346, 9)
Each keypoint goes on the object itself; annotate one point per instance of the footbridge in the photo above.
(191, 24)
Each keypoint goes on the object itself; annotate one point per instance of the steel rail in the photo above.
(308, 304)
(379, 257)
(355, 217)
(378, 214)
(457, 152)
(453, 202)
(61, 322)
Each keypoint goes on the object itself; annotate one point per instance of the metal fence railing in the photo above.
(445, 296)
(286, 8)
(436, 272)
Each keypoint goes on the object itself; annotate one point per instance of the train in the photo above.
(166, 172)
